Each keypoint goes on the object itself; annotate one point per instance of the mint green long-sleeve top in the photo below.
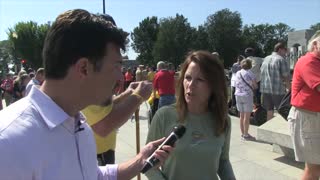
(198, 155)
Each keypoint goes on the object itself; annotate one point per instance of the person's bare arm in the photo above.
(121, 97)
(254, 85)
(122, 110)
(126, 93)
(287, 82)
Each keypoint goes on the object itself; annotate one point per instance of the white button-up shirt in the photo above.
(31, 83)
(38, 141)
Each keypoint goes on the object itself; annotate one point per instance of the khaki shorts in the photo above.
(270, 101)
(305, 135)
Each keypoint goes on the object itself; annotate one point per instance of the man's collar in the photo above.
(51, 113)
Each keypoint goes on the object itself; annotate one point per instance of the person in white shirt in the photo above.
(234, 69)
(35, 81)
(245, 85)
(44, 135)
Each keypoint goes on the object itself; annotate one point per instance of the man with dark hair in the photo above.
(256, 65)
(275, 73)
(121, 109)
(44, 136)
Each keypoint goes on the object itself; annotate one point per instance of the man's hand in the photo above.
(143, 88)
(132, 167)
(161, 154)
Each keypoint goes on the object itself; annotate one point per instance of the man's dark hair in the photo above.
(76, 34)
(107, 17)
(249, 52)
(278, 46)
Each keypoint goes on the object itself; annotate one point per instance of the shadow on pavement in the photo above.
(291, 162)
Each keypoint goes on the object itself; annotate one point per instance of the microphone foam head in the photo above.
(179, 130)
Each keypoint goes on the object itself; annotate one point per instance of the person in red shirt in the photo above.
(128, 77)
(163, 82)
(304, 116)
(7, 87)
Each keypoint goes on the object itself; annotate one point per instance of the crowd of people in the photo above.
(61, 121)
(14, 88)
(259, 83)
(264, 82)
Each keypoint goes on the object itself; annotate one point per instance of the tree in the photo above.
(28, 39)
(144, 37)
(224, 31)
(278, 33)
(263, 37)
(249, 40)
(315, 27)
(174, 40)
(200, 39)
(5, 56)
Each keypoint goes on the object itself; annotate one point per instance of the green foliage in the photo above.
(5, 56)
(144, 37)
(263, 37)
(28, 39)
(224, 30)
(315, 27)
(200, 39)
(174, 40)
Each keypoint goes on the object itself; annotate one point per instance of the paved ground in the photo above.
(250, 160)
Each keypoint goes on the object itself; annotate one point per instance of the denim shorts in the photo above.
(305, 135)
(244, 103)
(166, 100)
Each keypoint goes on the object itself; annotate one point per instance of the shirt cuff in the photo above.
(108, 172)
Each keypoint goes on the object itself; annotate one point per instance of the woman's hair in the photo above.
(213, 72)
(20, 74)
(23, 78)
(246, 64)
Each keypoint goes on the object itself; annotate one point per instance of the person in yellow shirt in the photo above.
(118, 112)
(105, 145)
(151, 74)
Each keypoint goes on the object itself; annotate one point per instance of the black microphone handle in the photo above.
(79, 129)
(152, 161)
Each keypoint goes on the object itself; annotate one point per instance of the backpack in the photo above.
(7, 85)
(285, 105)
(258, 116)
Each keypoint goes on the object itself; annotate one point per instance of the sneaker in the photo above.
(248, 137)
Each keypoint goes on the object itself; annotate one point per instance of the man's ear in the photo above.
(82, 67)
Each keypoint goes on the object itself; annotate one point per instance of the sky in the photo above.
(298, 14)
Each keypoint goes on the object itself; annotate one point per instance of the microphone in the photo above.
(177, 133)
(79, 128)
